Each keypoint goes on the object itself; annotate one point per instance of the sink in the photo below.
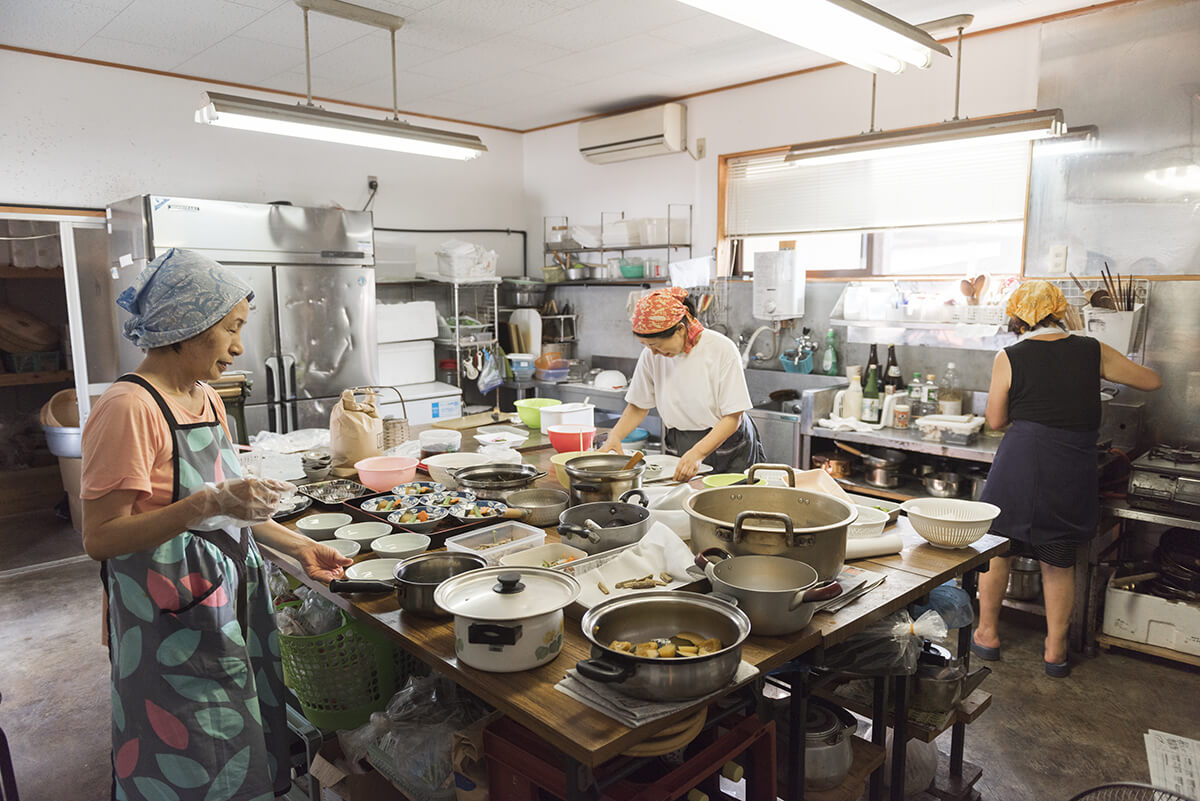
(784, 407)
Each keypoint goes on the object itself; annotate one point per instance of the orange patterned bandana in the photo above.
(662, 309)
(1034, 301)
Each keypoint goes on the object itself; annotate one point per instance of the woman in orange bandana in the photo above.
(1044, 475)
(693, 377)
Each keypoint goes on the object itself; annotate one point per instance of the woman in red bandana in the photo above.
(693, 377)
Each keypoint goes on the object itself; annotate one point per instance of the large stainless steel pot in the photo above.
(495, 482)
(779, 595)
(652, 615)
(602, 477)
(416, 579)
(612, 524)
(827, 750)
(773, 521)
(1024, 579)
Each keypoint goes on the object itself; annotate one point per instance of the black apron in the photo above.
(1045, 482)
(735, 455)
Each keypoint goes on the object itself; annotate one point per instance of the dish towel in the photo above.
(634, 712)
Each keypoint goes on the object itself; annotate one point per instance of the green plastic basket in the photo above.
(340, 677)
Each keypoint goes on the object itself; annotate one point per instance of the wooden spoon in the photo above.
(849, 449)
(1101, 299)
(637, 457)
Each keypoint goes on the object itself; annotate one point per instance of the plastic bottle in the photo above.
(949, 395)
(929, 395)
(829, 360)
(914, 395)
(870, 396)
(852, 402)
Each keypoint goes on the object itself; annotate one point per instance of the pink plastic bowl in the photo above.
(381, 473)
(569, 437)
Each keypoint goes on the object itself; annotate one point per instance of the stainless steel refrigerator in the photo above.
(311, 329)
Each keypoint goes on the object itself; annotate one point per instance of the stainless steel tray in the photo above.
(581, 567)
(334, 492)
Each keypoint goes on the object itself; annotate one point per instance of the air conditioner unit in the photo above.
(650, 132)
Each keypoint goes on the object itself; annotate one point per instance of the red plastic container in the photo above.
(569, 437)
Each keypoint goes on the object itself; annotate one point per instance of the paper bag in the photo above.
(466, 754)
(355, 431)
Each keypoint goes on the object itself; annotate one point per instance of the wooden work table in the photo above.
(592, 738)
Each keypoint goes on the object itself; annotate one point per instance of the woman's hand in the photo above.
(689, 463)
(322, 562)
(612, 445)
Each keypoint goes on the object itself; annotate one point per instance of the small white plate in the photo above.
(373, 570)
(500, 435)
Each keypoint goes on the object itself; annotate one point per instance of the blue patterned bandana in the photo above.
(179, 295)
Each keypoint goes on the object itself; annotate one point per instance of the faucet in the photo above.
(750, 344)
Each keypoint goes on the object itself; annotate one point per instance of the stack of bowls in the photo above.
(316, 464)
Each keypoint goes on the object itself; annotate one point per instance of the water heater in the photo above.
(778, 285)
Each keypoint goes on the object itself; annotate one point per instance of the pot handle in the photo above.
(515, 513)
(645, 500)
(604, 671)
(573, 530)
(586, 487)
(493, 635)
(359, 585)
(709, 557)
(825, 591)
(785, 468)
(740, 520)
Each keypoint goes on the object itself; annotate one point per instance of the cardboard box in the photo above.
(1152, 620)
(339, 784)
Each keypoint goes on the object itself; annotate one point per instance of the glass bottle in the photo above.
(929, 395)
(829, 360)
(891, 373)
(870, 396)
(872, 361)
(914, 395)
(949, 395)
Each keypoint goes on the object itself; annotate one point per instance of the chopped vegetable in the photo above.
(667, 648)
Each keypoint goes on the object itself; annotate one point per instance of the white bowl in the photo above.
(442, 466)
(400, 546)
(373, 570)
(322, 526)
(870, 523)
(363, 533)
(348, 548)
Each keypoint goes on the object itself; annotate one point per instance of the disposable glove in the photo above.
(238, 502)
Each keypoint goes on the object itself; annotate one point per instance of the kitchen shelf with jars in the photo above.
(565, 262)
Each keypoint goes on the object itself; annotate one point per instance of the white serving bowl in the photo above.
(363, 533)
(442, 466)
(400, 546)
(347, 548)
(869, 523)
(322, 526)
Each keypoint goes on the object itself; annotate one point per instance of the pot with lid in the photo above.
(828, 729)
(773, 521)
(495, 482)
(507, 619)
(602, 477)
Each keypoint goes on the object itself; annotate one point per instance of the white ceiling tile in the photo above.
(441, 108)
(601, 22)
(111, 5)
(617, 56)
(507, 89)
(57, 26)
(285, 26)
(243, 60)
(186, 25)
(411, 88)
(700, 31)
(140, 55)
(263, 5)
(490, 59)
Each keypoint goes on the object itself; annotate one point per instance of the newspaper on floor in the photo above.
(855, 581)
(1174, 762)
(630, 711)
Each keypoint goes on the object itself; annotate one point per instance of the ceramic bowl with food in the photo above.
(400, 546)
(363, 533)
(322, 526)
(419, 518)
(445, 500)
(419, 489)
(478, 510)
(389, 503)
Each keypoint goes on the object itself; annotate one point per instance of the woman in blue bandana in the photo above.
(197, 686)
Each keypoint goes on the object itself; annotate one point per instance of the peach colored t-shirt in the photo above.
(127, 444)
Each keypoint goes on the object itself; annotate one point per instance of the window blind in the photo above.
(959, 182)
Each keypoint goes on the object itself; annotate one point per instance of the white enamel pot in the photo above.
(507, 619)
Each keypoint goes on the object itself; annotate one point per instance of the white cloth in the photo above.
(692, 391)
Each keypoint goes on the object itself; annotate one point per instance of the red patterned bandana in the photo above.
(662, 309)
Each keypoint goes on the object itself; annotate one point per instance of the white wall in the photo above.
(1000, 73)
(76, 134)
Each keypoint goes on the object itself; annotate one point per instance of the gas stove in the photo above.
(1166, 479)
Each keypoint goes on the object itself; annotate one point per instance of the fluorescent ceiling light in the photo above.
(1024, 126)
(313, 122)
(848, 30)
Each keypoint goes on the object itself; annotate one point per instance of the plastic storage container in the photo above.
(498, 540)
(568, 414)
(438, 440)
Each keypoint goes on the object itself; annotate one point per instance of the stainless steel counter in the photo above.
(984, 450)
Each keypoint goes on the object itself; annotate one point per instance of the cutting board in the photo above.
(473, 421)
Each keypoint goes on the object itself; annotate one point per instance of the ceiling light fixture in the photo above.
(850, 31)
(310, 121)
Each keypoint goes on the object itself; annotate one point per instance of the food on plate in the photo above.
(422, 488)
(562, 560)
(601, 587)
(494, 542)
(388, 503)
(669, 647)
(414, 516)
(476, 510)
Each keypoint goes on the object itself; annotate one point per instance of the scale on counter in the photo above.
(1166, 479)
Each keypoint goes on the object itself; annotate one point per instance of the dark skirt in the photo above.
(1045, 482)
(734, 455)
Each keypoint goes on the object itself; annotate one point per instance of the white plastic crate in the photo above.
(496, 541)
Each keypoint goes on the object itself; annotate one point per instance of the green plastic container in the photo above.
(529, 410)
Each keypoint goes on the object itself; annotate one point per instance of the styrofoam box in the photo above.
(423, 411)
(519, 536)
(401, 322)
(1152, 620)
(402, 363)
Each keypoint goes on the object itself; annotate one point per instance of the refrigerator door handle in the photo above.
(271, 364)
(289, 376)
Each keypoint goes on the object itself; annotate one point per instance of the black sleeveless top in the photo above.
(1056, 382)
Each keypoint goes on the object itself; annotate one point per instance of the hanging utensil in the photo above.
(1076, 280)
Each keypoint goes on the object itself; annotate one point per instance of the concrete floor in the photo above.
(1042, 739)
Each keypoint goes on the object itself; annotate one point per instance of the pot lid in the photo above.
(506, 593)
(820, 723)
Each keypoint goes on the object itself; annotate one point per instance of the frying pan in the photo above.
(886, 458)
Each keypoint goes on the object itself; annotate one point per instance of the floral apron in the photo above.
(197, 686)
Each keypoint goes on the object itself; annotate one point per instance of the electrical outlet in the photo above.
(700, 148)
(1058, 260)
(372, 182)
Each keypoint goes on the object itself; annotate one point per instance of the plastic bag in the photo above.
(315, 615)
(304, 439)
(490, 376)
(410, 447)
(277, 583)
(888, 647)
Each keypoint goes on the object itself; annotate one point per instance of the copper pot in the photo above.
(837, 466)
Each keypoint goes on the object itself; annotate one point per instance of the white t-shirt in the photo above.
(692, 391)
